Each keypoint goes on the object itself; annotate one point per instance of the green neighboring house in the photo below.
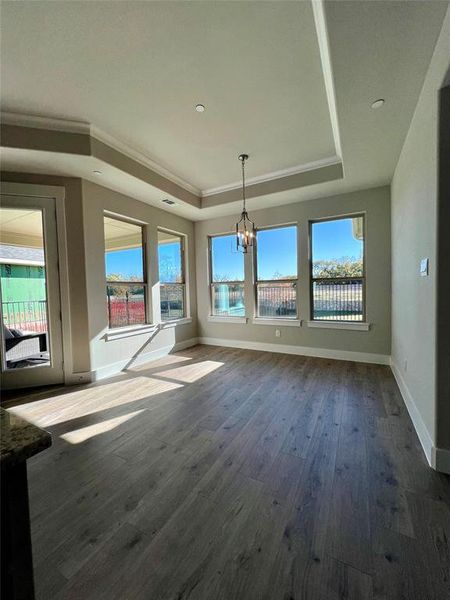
(23, 292)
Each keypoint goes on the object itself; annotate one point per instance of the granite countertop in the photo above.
(20, 439)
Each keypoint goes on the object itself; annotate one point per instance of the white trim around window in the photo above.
(278, 322)
(226, 319)
(122, 332)
(339, 325)
(281, 281)
(175, 322)
(186, 318)
(212, 282)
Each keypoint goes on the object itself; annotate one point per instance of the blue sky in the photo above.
(334, 239)
(276, 253)
(129, 262)
(124, 262)
(169, 262)
(228, 263)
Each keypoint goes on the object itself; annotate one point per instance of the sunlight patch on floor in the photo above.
(77, 436)
(94, 399)
(191, 373)
(171, 359)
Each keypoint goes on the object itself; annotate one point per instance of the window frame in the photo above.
(183, 244)
(211, 283)
(144, 283)
(256, 281)
(312, 279)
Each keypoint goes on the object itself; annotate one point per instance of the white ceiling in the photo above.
(136, 70)
(21, 222)
(20, 228)
(121, 234)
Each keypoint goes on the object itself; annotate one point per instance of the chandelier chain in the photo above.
(243, 182)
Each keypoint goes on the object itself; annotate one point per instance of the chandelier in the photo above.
(245, 229)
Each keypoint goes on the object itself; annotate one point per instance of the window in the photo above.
(125, 273)
(227, 277)
(276, 272)
(338, 283)
(171, 275)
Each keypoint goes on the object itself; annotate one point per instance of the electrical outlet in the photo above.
(277, 333)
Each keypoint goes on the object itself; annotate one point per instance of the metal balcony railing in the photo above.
(25, 315)
(338, 299)
(172, 299)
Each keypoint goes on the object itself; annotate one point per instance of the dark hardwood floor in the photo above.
(218, 473)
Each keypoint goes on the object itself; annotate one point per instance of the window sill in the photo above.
(175, 322)
(339, 325)
(217, 319)
(280, 321)
(123, 332)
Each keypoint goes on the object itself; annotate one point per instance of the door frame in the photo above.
(58, 193)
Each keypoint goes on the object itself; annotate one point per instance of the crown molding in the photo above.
(311, 166)
(327, 69)
(141, 158)
(71, 126)
(82, 127)
(39, 122)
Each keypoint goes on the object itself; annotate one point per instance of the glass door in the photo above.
(31, 340)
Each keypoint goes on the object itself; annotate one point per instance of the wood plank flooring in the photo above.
(218, 473)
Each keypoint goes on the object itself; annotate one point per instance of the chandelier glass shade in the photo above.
(245, 228)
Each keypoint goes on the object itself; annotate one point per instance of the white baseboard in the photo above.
(380, 359)
(442, 460)
(438, 458)
(416, 417)
(118, 367)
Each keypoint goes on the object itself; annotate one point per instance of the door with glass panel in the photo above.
(31, 339)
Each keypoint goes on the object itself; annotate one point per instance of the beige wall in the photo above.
(376, 205)
(106, 353)
(414, 234)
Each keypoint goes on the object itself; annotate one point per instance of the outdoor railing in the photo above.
(172, 300)
(338, 299)
(228, 299)
(126, 304)
(25, 315)
(277, 299)
(332, 299)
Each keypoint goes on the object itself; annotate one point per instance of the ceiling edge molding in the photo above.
(139, 157)
(39, 122)
(301, 179)
(81, 138)
(69, 126)
(113, 157)
(312, 166)
(327, 69)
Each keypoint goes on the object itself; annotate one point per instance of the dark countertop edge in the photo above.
(20, 440)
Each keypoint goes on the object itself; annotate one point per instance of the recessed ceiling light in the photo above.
(168, 201)
(378, 103)
(97, 172)
(200, 108)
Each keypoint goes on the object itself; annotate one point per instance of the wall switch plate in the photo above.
(424, 267)
(277, 333)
